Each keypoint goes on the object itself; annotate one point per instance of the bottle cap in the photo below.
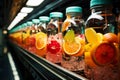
(44, 18)
(56, 14)
(73, 9)
(29, 23)
(25, 24)
(100, 2)
(35, 21)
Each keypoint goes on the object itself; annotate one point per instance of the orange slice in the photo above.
(41, 40)
(71, 48)
(82, 42)
(65, 25)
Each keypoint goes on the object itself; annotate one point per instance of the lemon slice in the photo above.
(41, 40)
(99, 37)
(90, 35)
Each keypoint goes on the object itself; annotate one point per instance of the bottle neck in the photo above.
(102, 9)
(74, 14)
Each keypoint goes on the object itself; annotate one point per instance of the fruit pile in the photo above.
(101, 49)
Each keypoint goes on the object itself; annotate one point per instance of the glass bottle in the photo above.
(19, 35)
(54, 43)
(31, 39)
(44, 20)
(101, 49)
(73, 40)
(27, 34)
(24, 26)
(41, 36)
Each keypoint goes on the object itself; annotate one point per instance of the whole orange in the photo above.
(110, 37)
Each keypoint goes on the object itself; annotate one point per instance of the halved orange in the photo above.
(41, 40)
(71, 48)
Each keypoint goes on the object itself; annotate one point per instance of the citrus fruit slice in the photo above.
(99, 37)
(90, 35)
(66, 24)
(88, 59)
(41, 40)
(104, 54)
(71, 48)
(69, 36)
(53, 47)
(82, 42)
(110, 37)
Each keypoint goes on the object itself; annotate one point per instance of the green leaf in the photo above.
(69, 36)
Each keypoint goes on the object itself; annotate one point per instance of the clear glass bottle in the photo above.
(54, 43)
(73, 40)
(24, 26)
(41, 36)
(31, 39)
(101, 49)
(44, 20)
(19, 35)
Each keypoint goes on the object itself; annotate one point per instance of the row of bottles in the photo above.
(91, 47)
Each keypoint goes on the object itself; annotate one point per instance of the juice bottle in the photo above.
(54, 43)
(44, 20)
(31, 40)
(101, 49)
(18, 34)
(41, 36)
(24, 26)
(27, 33)
(73, 40)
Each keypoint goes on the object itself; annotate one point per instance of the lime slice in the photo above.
(69, 36)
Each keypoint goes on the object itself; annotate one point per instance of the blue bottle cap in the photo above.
(74, 9)
(100, 2)
(56, 14)
(35, 21)
(44, 18)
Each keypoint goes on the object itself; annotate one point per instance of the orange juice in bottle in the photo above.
(18, 34)
(24, 34)
(101, 49)
(73, 40)
(41, 36)
(27, 33)
(54, 42)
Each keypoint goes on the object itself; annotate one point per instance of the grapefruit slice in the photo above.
(104, 54)
(90, 35)
(53, 47)
(71, 48)
(41, 40)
